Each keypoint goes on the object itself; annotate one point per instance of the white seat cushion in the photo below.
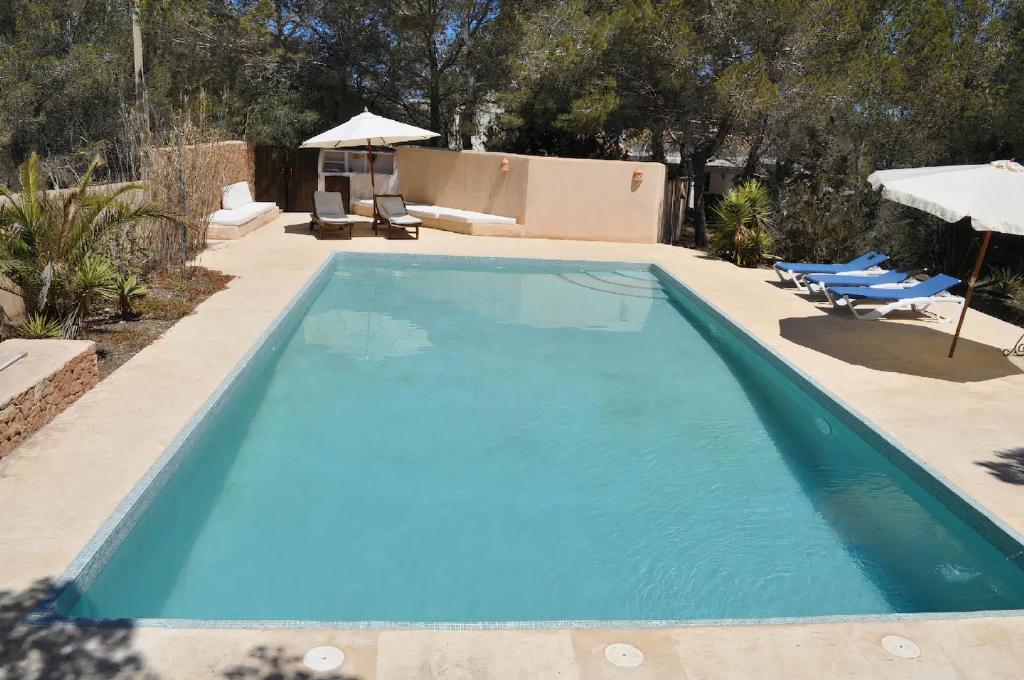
(329, 204)
(405, 220)
(422, 211)
(239, 216)
(485, 218)
(468, 216)
(433, 212)
(391, 207)
(236, 195)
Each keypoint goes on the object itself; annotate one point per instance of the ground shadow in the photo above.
(1008, 466)
(274, 663)
(359, 229)
(62, 650)
(912, 349)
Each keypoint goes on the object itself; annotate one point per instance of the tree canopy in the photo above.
(811, 95)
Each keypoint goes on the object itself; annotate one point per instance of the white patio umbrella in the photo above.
(991, 195)
(368, 129)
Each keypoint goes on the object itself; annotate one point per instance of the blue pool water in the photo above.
(435, 440)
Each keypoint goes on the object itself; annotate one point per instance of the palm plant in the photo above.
(128, 289)
(743, 225)
(1005, 283)
(37, 327)
(94, 278)
(49, 240)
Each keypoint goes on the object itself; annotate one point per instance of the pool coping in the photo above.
(93, 557)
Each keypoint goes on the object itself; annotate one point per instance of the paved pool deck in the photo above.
(961, 416)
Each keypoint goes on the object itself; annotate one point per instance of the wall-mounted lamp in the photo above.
(505, 167)
(638, 176)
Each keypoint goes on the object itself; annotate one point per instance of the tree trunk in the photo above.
(435, 110)
(657, 145)
(140, 82)
(697, 188)
(686, 186)
(754, 155)
(467, 122)
(699, 161)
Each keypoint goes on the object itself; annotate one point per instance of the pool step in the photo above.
(628, 283)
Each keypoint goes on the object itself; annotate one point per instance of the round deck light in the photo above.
(325, 658)
(901, 647)
(623, 655)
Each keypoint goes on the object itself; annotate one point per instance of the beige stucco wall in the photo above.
(550, 197)
(594, 200)
(468, 180)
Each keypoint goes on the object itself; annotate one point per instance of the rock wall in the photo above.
(50, 379)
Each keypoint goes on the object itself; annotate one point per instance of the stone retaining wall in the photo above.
(36, 388)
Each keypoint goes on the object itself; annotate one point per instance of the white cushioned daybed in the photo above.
(452, 219)
(239, 214)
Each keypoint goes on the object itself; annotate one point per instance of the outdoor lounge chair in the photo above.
(795, 272)
(917, 297)
(329, 214)
(393, 213)
(818, 282)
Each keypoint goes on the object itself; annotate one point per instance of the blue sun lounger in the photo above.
(818, 282)
(796, 271)
(920, 296)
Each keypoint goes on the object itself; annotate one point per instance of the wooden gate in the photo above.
(287, 177)
(674, 212)
(271, 175)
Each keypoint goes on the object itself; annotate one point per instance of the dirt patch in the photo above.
(171, 296)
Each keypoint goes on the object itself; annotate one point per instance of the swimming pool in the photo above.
(453, 440)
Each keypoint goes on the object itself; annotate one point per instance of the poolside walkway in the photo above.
(961, 416)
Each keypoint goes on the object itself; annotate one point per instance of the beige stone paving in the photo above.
(57, 488)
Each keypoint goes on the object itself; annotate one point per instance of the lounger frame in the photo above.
(320, 225)
(797, 278)
(927, 305)
(391, 227)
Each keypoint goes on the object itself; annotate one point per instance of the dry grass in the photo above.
(183, 169)
(184, 172)
(172, 295)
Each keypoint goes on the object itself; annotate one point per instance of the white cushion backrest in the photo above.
(236, 195)
(391, 206)
(328, 203)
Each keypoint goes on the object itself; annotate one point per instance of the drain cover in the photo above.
(324, 658)
(901, 647)
(623, 655)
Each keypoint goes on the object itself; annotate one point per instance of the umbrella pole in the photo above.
(970, 289)
(373, 187)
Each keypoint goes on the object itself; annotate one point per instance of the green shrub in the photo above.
(742, 225)
(128, 289)
(1004, 283)
(50, 241)
(37, 327)
(93, 279)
